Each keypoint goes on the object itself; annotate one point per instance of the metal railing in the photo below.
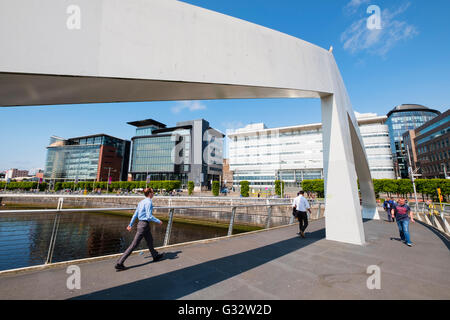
(63, 235)
(433, 214)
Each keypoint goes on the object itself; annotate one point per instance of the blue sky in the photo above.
(407, 61)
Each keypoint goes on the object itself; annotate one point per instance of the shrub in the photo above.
(190, 187)
(216, 188)
(279, 185)
(245, 188)
(316, 186)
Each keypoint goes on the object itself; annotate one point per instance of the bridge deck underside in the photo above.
(274, 264)
(33, 89)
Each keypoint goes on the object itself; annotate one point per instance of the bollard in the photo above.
(169, 228)
(233, 215)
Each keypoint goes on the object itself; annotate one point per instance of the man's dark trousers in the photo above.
(143, 231)
(389, 215)
(302, 217)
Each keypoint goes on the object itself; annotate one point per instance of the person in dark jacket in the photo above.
(388, 205)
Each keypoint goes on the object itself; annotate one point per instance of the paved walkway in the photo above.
(274, 264)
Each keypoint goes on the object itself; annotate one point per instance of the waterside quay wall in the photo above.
(222, 211)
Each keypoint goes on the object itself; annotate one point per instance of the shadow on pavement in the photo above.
(180, 283)
(167, 256)
(439, 234)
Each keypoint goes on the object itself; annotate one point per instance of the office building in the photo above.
(89, 158)
(227, 174)
(16, 173)
(399, 120)
(261, 155)
(190, 151)
(429, 147)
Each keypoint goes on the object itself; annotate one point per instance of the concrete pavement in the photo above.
(274, 264)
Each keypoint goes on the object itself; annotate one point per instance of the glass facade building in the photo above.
(430, 147)
(400, 120)
(191, 151)
(87, 158)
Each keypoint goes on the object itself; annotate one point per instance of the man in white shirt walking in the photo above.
(301, 205)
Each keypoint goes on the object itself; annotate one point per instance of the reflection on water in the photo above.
(25, 238)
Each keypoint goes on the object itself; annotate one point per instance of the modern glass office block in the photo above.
(400, 120)
(72, 162)
(86, 158)
(191, 151)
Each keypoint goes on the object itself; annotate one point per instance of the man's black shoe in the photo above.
(158, 257)
(120, 267)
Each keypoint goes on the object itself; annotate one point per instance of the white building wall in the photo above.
(261, 155)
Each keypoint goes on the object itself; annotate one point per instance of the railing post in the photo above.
(291, 221)
(318, 211)
(233, 215)
(169, 228)
(446, 225)
(427, 220)
(269, 216)
(51, 247)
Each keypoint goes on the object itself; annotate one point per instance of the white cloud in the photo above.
(232, 126)
(354, 5)
(357, 37)
(190, 105)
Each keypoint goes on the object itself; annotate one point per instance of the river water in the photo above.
(25, 238)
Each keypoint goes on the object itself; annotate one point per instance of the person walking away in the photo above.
(144, 213)
(301, 205)
(388, 205)
(403, 216)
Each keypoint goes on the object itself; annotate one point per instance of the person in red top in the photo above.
(403, 215)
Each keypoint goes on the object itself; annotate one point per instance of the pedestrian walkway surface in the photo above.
(273, 264)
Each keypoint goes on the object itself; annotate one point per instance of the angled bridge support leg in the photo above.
(343, 220)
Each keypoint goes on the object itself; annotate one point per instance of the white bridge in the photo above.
(91, 51)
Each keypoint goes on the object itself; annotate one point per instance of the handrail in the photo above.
(232, 208)
(134, 208)
(132, 196)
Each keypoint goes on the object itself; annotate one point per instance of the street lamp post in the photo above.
(444, 166)
(109, 173)
(411, 172)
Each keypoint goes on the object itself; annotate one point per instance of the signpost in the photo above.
(440, 197)
(411, 173)
(109, 178)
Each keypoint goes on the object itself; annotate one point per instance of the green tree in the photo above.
(389, 186)
(215, 188)
(245, 188)
(378, 187)
(404, 186)
(307, 186)
(319, 187)
(279, 185)
(190, 187)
